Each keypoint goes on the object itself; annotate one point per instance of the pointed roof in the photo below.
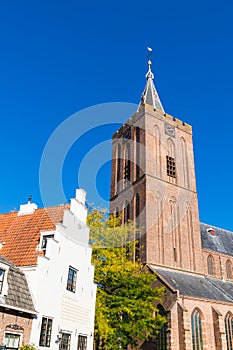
(150, 95)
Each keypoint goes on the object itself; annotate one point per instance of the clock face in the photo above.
(169, 130)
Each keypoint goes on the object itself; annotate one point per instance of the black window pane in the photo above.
(82, 342)
(71, 281)
(45, 333)
(171, 166)
(65, 341)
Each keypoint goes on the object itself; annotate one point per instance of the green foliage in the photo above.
(107, 232)
(27, 347)
(125, 311)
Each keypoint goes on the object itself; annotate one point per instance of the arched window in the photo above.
(137, 208)
(229, 269)
(229, 330)
(137, 152)
(118, 166)
(185, 163)
(126, 212)
(137, 220)
(211, 265)
(196, 322)
(161, 339)
(127, 165)
(157, 151)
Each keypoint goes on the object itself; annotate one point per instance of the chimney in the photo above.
(28, 208)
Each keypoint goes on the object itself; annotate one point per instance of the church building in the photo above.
(154, 185)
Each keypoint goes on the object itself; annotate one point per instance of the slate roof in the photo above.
(18, 294)
(193, 285)
(150, 95)
(221, 242)
(21, 234)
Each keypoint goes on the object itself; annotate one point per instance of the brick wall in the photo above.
(17, 323)
(169, 218)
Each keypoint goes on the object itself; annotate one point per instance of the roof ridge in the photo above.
(38, 209)
(217, 287)
(219, 228)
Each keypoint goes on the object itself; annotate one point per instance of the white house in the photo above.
(50, 245)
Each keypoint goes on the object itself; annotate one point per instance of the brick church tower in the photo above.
(154, 185)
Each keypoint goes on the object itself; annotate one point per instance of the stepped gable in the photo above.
(20, 234)
(194, 285)
(221, 241)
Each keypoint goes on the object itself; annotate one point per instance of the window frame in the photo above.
(44, 241)
(137, 156)
(197, 330)
(65, 346)
(83, 336)
(171, 166)
(45, 337)
(229, 269)
(211, 268)
(2, 278)
(228, 322)
(72, 282)
(161, 339)
(15, 335)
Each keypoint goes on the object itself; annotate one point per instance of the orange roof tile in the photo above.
(21, 234)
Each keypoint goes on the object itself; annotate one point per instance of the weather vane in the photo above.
(149, 53)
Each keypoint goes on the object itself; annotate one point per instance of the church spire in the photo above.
(150, 95)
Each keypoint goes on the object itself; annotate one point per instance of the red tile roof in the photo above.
(21, 234)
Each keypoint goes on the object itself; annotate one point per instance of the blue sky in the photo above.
(58, 57)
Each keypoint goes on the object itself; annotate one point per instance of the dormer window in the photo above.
(44, 242)
(2, 273)
(211, 231)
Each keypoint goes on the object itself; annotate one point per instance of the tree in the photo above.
(27, 347)
(125, 305)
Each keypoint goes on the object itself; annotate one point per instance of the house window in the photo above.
(45, 332)
(171, 166)
(71, 281)
(229, 330)
(11, 341)
(196, 322)
(2, 273)
(211, 265)
(82, 342)
(229, 269)
(65, 341)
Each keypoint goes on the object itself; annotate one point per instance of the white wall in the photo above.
(71, 312)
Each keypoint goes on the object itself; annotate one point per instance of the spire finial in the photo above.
(149, 53)
(150, 96)
(149, 73)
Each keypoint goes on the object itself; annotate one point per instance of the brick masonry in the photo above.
(169, 217)
(15, 323)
